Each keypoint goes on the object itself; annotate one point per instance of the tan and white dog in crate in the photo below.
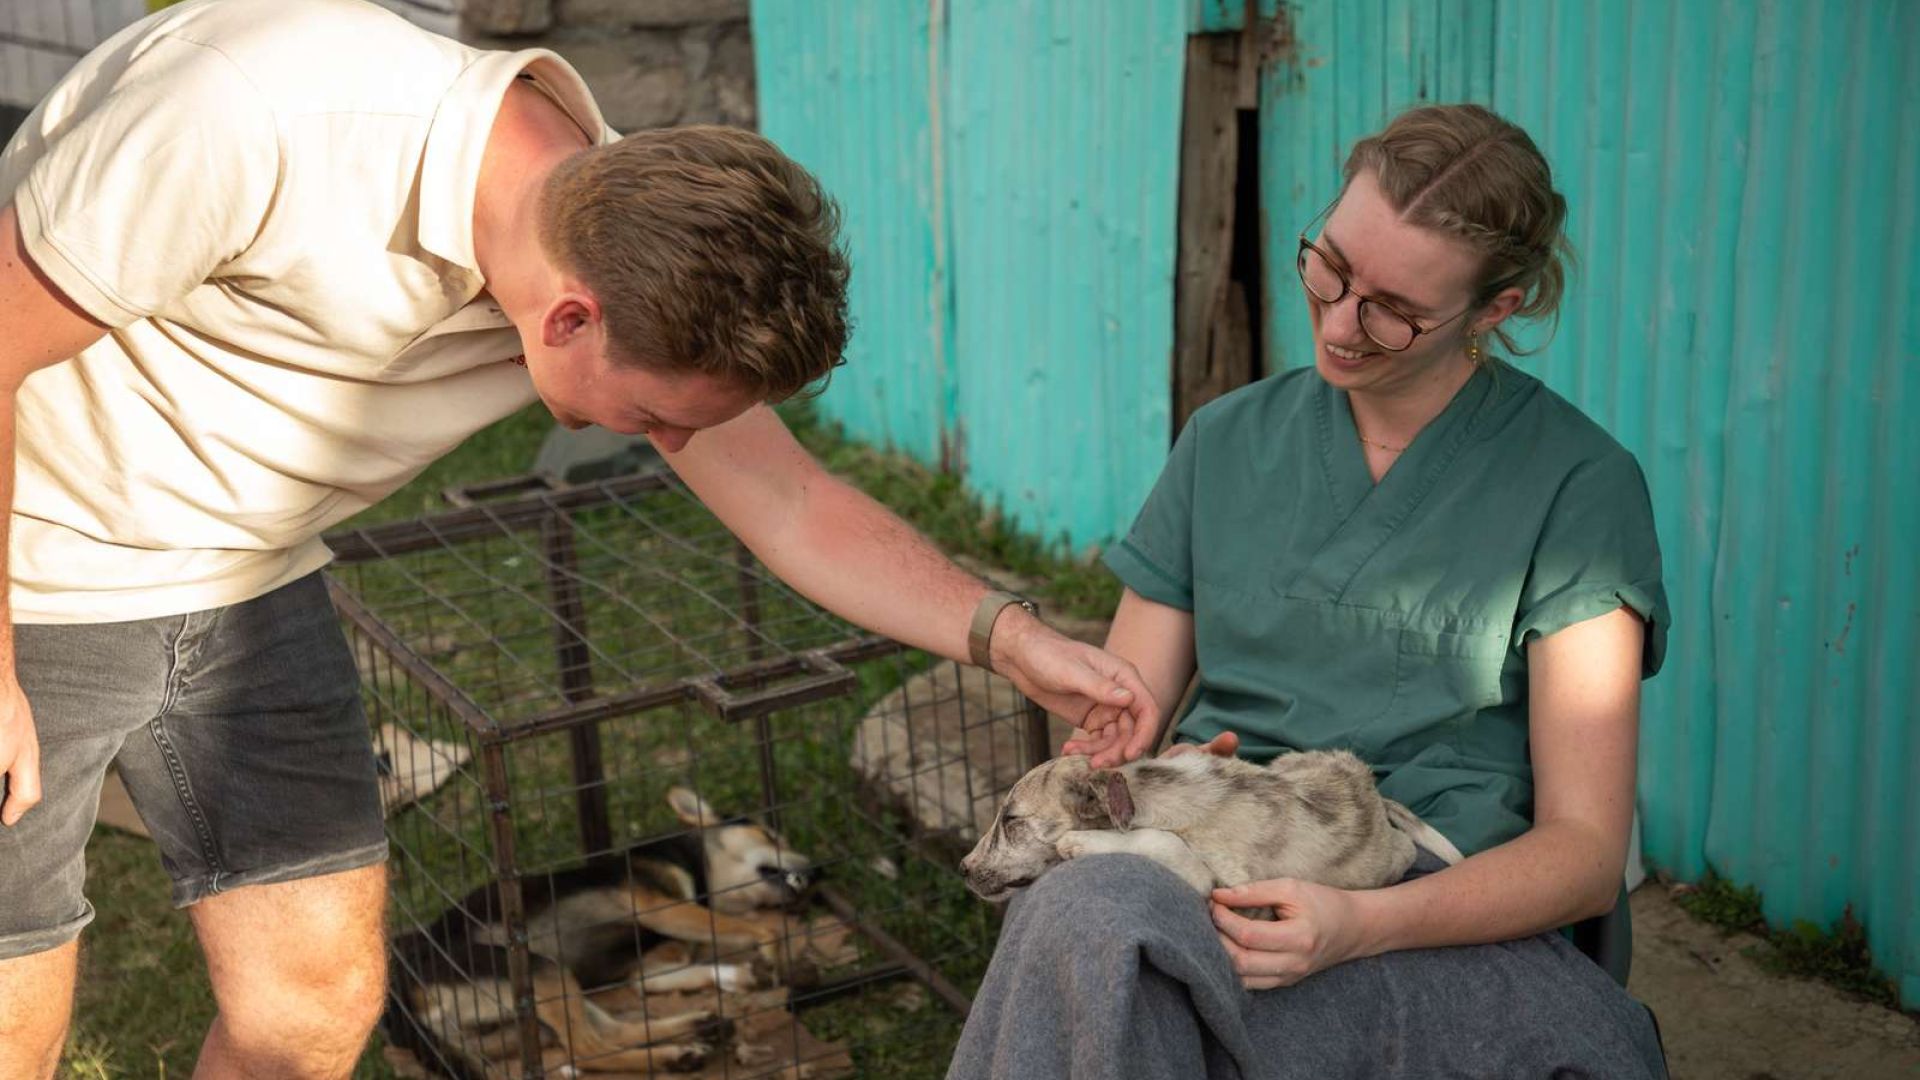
(592, 926)
(1215, 821)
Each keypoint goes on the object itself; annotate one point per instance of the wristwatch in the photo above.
(981, 632)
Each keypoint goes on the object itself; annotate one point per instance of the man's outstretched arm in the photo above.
(851, 555)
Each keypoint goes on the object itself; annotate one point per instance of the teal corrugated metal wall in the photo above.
(1742, 181)
(1065, 173)
(849, 89)
(1009, 171)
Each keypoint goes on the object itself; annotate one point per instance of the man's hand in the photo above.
(1107, 740)
(1072, 679)
(19, 755)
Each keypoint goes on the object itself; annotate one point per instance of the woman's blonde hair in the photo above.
(1464, 171)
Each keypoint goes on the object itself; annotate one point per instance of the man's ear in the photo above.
(1102, 800)
(570, 314)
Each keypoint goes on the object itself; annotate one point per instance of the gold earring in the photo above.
(1473, 348)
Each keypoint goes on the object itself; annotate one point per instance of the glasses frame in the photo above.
(1346, 286)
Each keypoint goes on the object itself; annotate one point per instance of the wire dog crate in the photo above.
(544, 667)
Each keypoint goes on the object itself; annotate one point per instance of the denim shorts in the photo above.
(239, 734)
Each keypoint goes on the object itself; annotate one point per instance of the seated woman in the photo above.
(1416, 552)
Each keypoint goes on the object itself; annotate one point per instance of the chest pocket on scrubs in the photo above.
(1331, 664)
(1442, 673)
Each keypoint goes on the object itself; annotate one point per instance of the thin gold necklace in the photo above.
(1381, 445)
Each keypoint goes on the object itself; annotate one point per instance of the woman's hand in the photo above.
(1225, 744)
(1319, 927)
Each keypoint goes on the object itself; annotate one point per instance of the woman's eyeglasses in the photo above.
(1389, 327)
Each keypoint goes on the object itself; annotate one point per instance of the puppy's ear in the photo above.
(689, 807)
(1102, 800)
(1119, 799)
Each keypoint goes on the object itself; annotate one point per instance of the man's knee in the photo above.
(298, 963)
(324, 1003)
(348, 979)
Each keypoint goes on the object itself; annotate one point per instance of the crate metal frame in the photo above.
(770, 679)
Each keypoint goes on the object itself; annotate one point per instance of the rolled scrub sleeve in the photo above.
(1598, 551)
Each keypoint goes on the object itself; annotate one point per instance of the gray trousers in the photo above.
(1109, 968)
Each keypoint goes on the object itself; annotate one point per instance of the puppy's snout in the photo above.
(795, 880)
(993, 886)
(970, 870)
(981, 878)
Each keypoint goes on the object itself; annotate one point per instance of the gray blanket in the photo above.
(1109, 968)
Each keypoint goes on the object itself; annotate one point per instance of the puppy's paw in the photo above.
(711, 1027)
(691, 1057)
(1082, 842)
(743, 978)
(750, 1054)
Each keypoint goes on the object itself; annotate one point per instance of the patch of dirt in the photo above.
(1723, 1017)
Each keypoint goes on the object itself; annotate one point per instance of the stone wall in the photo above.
(650, 63)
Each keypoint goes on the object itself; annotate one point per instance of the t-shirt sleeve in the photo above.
(1156, 557)
(139, 198)
(1597, 552)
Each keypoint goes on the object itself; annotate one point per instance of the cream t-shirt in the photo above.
(271, 204)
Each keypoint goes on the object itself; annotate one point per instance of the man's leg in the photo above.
(299, 972)
(36, 1000)
(258, 780)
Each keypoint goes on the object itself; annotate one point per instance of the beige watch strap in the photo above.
(980, 633)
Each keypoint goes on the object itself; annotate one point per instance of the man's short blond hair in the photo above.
(709, 250)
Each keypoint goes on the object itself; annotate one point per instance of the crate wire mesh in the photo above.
(542, 665)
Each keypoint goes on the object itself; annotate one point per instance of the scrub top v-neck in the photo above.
(1392, 619)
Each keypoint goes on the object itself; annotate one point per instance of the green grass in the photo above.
(1836, 955)
(144, 1002)
(939, 506)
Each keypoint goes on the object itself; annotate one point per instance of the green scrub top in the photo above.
(1393, 619)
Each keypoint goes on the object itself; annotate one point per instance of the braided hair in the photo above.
(1466, 172)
